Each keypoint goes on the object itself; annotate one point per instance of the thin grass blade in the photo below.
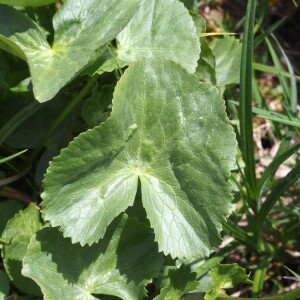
(274, 165)
(246, 125)
(8, 158)
(278, 190)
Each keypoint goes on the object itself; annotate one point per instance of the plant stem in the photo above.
(9, 192)
(61, 117)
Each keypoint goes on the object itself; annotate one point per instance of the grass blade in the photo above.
(12, 124)
(8, 158)
(276, 117)
(273, 116)
(246, 125)
(239, 234)
(276, 193)
(274, 70)
(258, 40)
(292, 295)
(282, 79)
(274, 165)
(293, 83)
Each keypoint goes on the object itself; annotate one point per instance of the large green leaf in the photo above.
(121, 264)
(160, 28)
(227, 52)
(171, 132)
(27, 2)
(17, 234)
(80, 30)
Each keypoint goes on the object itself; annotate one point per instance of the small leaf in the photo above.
(199, 22)
(28, 2)
(121, 264)
(206, 69)
(227, 52)
(181, 281)
(8, 209)
(160, 29)
(4, 285)
(17, 233)
(93, 110)
(80, 30)
(226, 277)
(169, 131)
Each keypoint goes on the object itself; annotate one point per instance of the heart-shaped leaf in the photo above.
(121, 264)
(160, 29)
(171, 132)
(81, 28)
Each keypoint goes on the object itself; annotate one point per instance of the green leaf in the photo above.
(27, 2)
(276, 162)
(277, 191)
(93, 110)
(17, 234)
(189, 4)
(199, 22)
(8, 209)
(80, 30)
(171, 132)
(4, 285)
(121, 264)
(160, 28)
(245, 111)
(227, 52)
(206, 69)
(181, 281)
(226, 277)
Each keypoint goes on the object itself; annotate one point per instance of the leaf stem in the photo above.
(9, 192)
(73, 103)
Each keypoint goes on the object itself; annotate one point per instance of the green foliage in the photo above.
(164, 156)
(181, 281)
(16, 235)
(136, 150)
(27, 2)
(54, 66)
(121, 265)
(149, 35)
(4, 285)
(226, 277)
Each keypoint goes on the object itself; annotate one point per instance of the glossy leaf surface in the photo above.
(120, 264)
(176, 141)
(80, 30)
(160, 29)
